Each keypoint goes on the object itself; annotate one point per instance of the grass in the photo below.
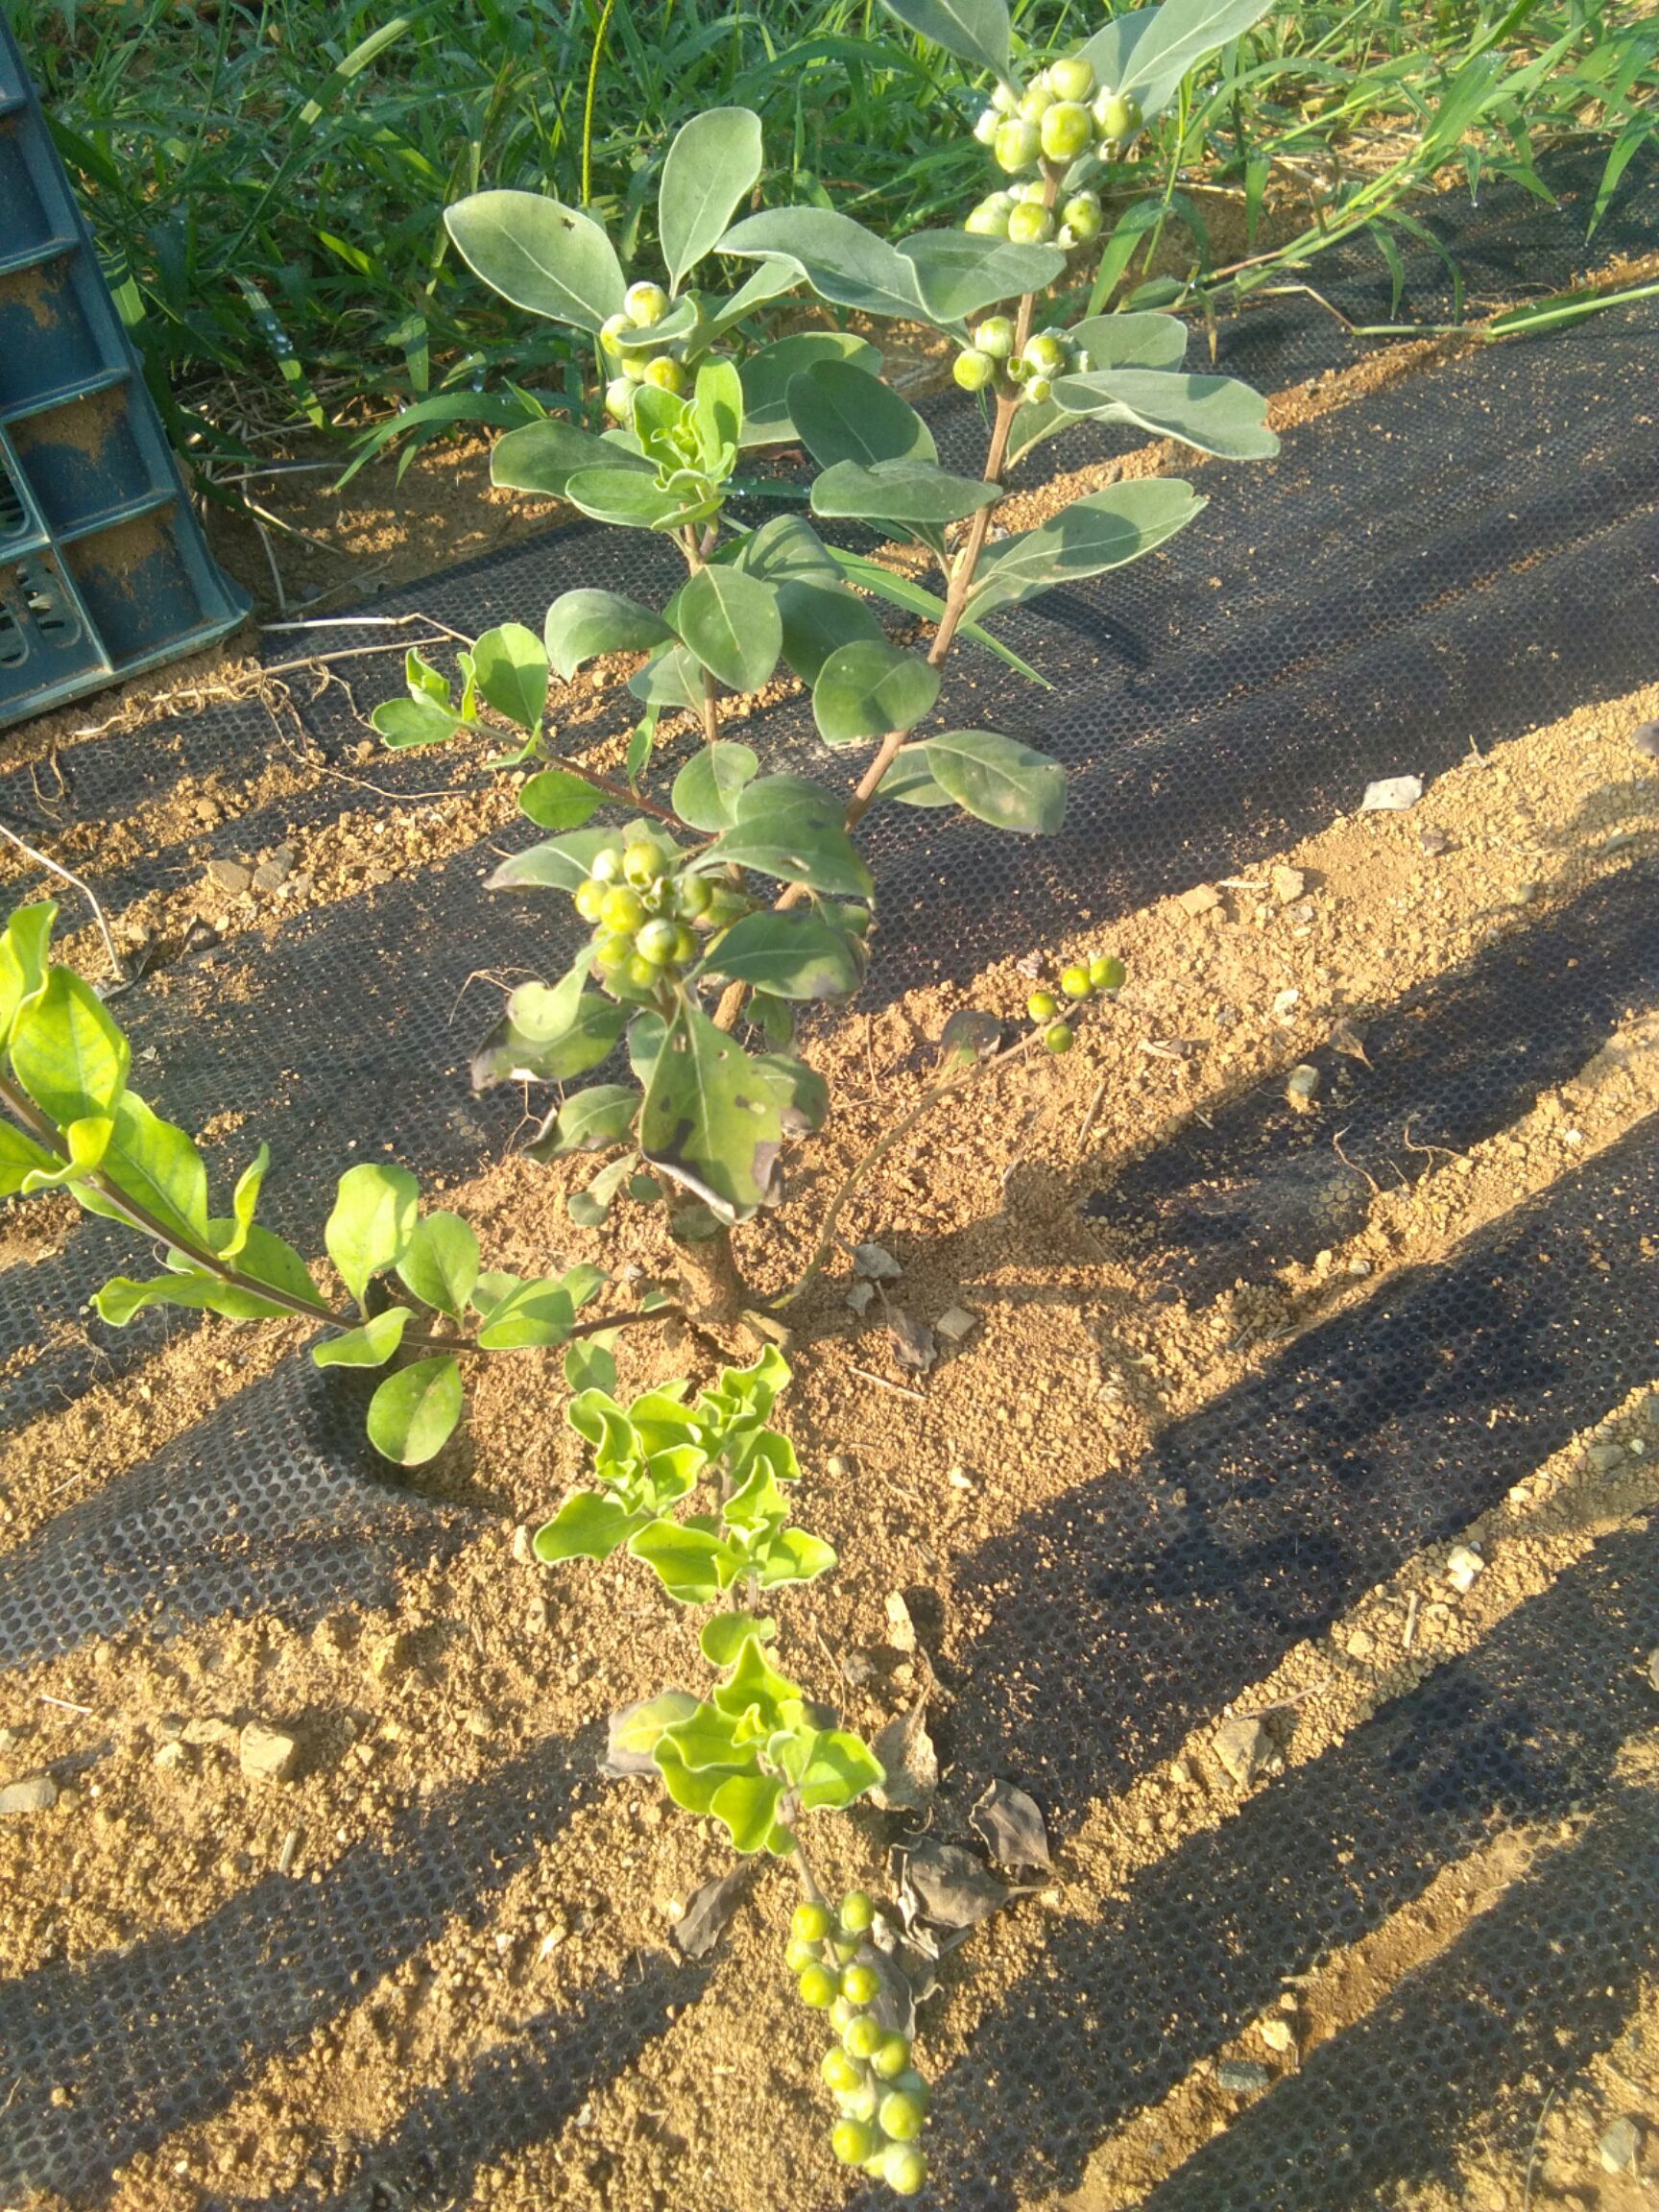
(266, 179)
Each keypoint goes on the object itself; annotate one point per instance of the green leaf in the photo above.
(744, 1396)
(156, 1165)
(793, 1555)
(868, 690)
(841, 1769)
(911, 781)
(412, 1414)
(692, 1788)
(268, 1258)
(916, 493)
(589, 1365)
(712, 1118)
(842, 261)
(542, 457)
(540, 254)
(998, 780)
(673, 678)
(706, 788)
(784, 550)
(591, 1208)
(792, 830)
(66, 1052)
(244, 1200)
(441, 1265)
(510, 665)
(589, 1121)
(747, 1804)
(795, 955)
(86, 1141)
(723, 1636)
(538, 1312)
(589, 1526)
(553, 799)
(903, 592)
(1131, 340)
(644, 1725)
(1112, 50)
(21, 1157)
(25, 960)
(730, 621)
(1217, 414)
(767, 372)
(959, 274)
(628, 500)
(121, 1298)
(844, 414)
(688, 1563)
(808, 1094)
(582, 1282)
(716, 417)
(1107, 530)
(561, 864)
(974, 31)
(370, 1346)
(711, 166)
(818, 617)
(510, 1055)
(1179, 34)
(405, 723)
(372, 1221)
(583, 624)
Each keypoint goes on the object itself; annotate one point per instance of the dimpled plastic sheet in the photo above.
(1451, 559)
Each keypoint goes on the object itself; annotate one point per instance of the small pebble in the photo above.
(267, 1754)
(230, 876)
(1202, 898)
(1392, 795)
(1463, 1566)
(1277, 2034)
(959, 1478)
(1242, 2076)
(1645, 740)
(839, 1465)
(901, 1628)
(1286, 1003)
(1288, 885)
(1244, 1748)
(1604, 1458)
(955, 1323)
(38, 1793)
(522, 1549)
(860, 1296)
(875, 1264)
(1302, 1087)
(1619, 2149)
(1433, 841)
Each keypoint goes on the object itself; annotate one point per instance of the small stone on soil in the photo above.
(1433, 841)
(1392, 795)
(875, 1264)
(1463, 1566)
(38, 1793)
(1644, 741)
(955, 1323)
(901, 1628)
(1202, 898)
(839, 1465)
(1244, 1748)
(1242, 2076)
(860, 1296)
(1619, 2147)
(1288, 885)
(267, 1754)
(230, 876)
(1302, 1087)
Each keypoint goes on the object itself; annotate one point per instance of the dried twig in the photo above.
(882, 1383)
(68, 874)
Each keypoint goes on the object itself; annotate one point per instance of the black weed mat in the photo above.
(1256, 1183)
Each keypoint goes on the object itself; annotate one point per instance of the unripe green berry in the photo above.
(1115, 118)
(619, 400)
(1034, 190)
(634, 365)
(686, 945)
(841, 2013)
(1107, 973)
(1036, 100)
(799, 1956)
(817, 1986)
(914, 2087)
(861, 2102)
(1073, 77)
(1017, 144)
(857, 1911)
(1081, 216)
(840, 2073)
(613, 952)
(647, 303)
(901, 2117)
(1076, 983)
(973, 370)
(666, 373)
(641, 862)
(811, 1923)
(1059, 1039)
(893, 2058)
(986, 126)
(861, 2037)
(1005, 99)
(614, 329)
(692, 895)
(995, 336)
(861, 1986)
(1042, 1006)
(658, 942)
(623, 908)
(588, 900)
(644, 974)
(989, 220)
(1039, 390)
(1030, 226)
(852, 2141)
(1045, 354)
(605, 864)
(903, 2169)
(1067, 131)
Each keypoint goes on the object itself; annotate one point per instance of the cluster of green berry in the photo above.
(884, 2099)
(1078, 983)
(990, 361)
(1063, 114)
(643, 908)
(643, 308)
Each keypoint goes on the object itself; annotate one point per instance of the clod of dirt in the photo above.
(1246, 1749)
(1202, 898)
(875, 1264)
(906, 1753)
(955, 1324)
(1392, 795)
(949, 1885)
(38, 1793)
(1301, 1087)
(1619, 2149)
(703, 1923)
(1012, 1826)
(267, 1754)
(1645, 739)
(1288, 885)
(1462, 1568)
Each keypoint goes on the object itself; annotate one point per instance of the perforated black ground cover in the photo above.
(1135, 1604)
(158, 2033)
(1524, 1731)
(1256, 1183)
